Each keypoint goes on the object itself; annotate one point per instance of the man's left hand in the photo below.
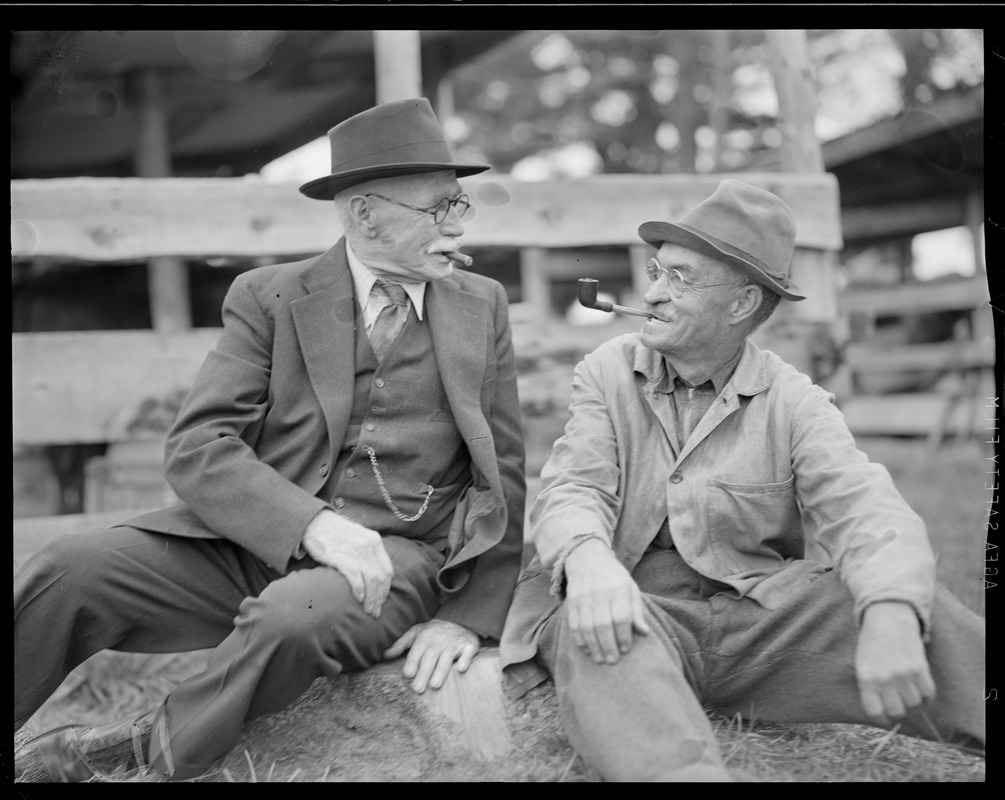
(890, 663)
(433, 647)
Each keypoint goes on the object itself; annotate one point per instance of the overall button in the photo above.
(339, 502)
(379, 383)
(324, 470)
(351, 472)
(370, 426)
(676, 478)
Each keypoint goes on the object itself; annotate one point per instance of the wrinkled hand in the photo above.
(433, 647)
(890, 663)
(603, 602)
(355, 551)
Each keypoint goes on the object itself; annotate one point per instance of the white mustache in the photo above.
(445, 244)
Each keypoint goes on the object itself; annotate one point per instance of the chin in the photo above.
(654, 341)
(438, 270)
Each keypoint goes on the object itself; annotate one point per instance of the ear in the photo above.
(746, 302)
(362, 213)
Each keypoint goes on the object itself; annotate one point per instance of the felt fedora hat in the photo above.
(402, 137)
(744, 226)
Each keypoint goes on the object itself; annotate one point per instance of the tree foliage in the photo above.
(581, 102)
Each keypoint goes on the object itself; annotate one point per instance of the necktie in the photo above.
(391, 318)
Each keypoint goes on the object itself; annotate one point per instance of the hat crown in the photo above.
(751, 221)
(744, 226)
(401, 131)
(402, 137)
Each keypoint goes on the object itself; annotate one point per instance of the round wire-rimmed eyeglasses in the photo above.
(440, 210)
(678, 284)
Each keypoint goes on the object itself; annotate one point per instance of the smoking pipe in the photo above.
(588, 297)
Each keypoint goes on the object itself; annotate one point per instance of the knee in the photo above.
(299, 607)
(74, 563)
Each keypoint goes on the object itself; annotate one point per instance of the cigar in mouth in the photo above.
(460, 258)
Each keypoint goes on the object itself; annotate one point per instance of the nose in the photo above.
(657, 293)
(452, 225)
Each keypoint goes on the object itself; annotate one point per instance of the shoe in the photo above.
(73, 753)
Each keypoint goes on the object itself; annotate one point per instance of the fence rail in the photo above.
(117, 219)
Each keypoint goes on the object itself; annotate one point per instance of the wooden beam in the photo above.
(80, 387)
(902, 219)
(917, 414)
(946, 112)
(74, 388)
(104, 220)
(916, 298)
(31, 534)
(941, 356)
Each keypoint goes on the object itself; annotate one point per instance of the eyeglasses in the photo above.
(678, 284)
(440, 210)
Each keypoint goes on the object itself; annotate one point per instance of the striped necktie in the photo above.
(391, 318)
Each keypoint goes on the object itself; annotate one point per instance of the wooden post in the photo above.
(170, 307)
(398, 62)
(975, 218)
(685, 112)
(534, 282)
(793, 77)
(638, 256)
(813, 271)
(721, 73)
(437, 84)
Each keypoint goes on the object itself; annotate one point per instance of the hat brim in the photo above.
(656, 233)
(330, 185)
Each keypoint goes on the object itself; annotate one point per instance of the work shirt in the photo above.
(770, 462)
(687, 405)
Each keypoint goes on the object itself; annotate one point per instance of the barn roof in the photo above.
(233, 100)
(929, 155)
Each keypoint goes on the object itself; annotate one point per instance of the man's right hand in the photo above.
(603, 602)
(355, 551)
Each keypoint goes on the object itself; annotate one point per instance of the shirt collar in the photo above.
(363, 280)
(719, 378)
(747, 375)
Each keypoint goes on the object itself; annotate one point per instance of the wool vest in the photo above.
(401, 433)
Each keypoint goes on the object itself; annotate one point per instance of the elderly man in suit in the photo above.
(670, 574)
(350, 462)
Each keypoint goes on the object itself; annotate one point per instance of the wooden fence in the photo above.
(79, 387)
(959, 369)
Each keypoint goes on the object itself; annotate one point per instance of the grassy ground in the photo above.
(946, 487)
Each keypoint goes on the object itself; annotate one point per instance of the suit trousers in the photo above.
(272, 634)
(644, 718)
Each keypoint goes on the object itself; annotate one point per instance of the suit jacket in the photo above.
(265, 419)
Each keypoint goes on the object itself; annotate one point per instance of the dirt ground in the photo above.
(360, 730)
